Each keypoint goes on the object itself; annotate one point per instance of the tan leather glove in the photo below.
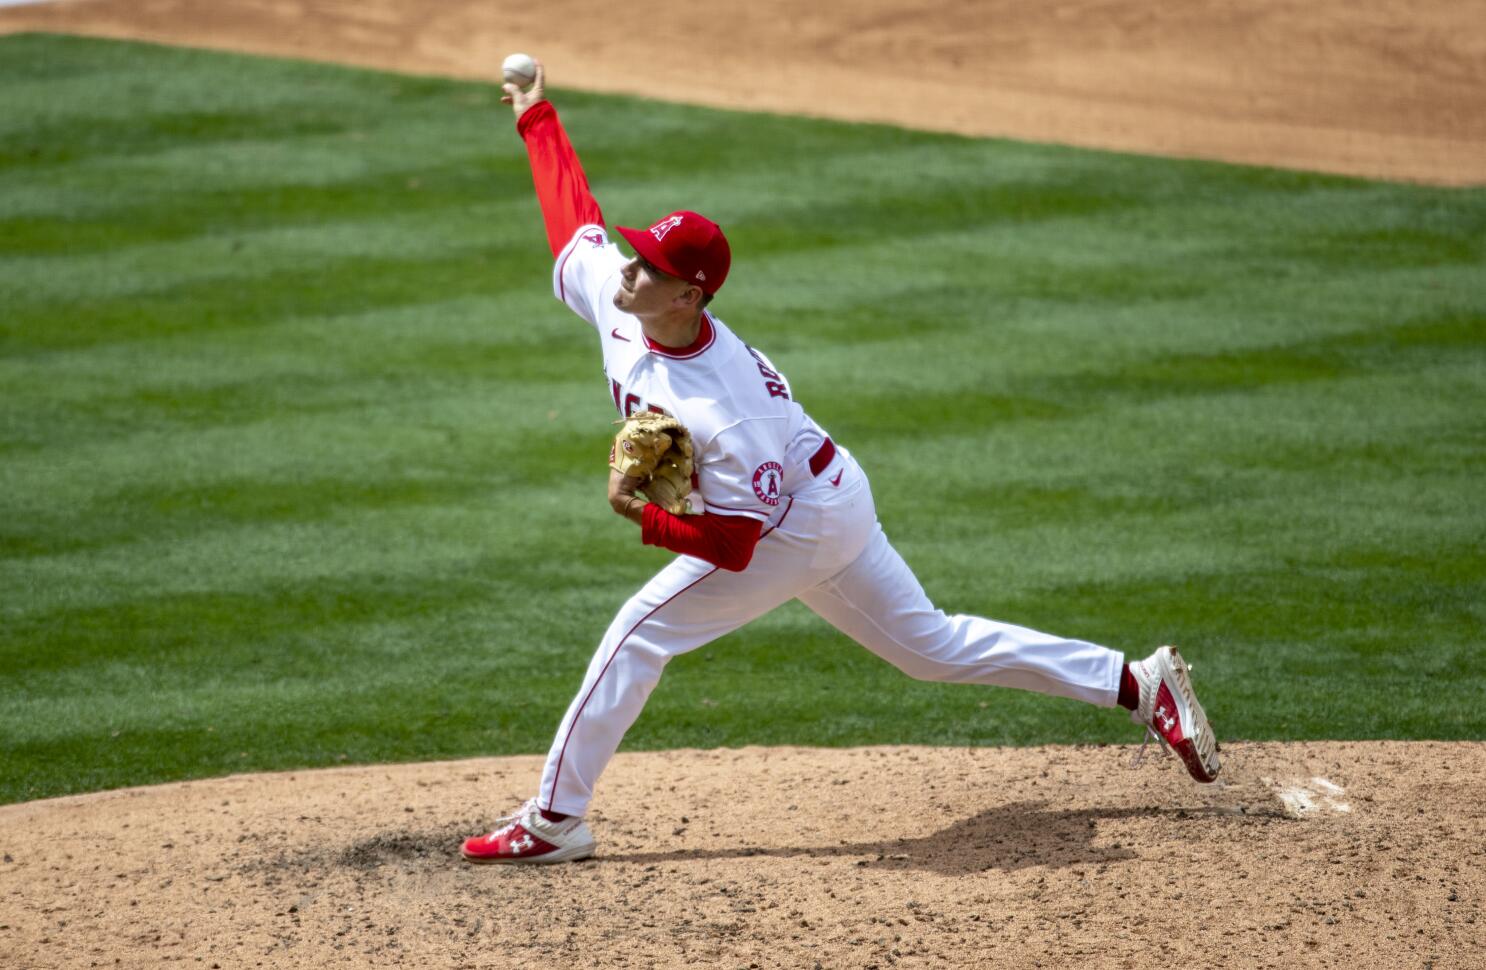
(670, 484)
(657, 448)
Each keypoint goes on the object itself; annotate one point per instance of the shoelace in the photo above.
(512, 820)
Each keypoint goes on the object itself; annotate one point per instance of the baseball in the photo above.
(520, 70)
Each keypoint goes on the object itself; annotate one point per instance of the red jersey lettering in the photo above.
(631, 402)
(773, 380)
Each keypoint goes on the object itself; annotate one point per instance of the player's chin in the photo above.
(622, 299)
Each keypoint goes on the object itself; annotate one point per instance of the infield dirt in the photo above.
(779, 857)
(1374, 87)
(1305, 855)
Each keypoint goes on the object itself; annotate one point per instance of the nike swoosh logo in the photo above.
(836, 482)
(618, 336)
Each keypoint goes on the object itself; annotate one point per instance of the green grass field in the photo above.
(301, 464)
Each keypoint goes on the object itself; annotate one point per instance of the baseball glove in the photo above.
(657, 448)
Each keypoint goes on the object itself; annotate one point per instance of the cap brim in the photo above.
(642, 242)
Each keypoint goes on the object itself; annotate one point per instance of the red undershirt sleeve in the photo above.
(562, 188)
(723, 540)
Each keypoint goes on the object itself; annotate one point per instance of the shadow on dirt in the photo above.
(1009, 837)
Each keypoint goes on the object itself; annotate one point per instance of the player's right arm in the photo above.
(562, 188)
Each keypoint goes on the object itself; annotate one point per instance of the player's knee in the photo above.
(926, 660)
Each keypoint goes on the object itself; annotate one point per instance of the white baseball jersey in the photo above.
(753, 443)
(822, 543)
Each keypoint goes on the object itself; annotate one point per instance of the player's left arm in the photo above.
(723, 540)
(562, 188)
(623, 498)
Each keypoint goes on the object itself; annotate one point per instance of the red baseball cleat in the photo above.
(1170, 712)
(529, 838)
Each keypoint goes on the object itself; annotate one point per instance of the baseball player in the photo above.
(779, 511)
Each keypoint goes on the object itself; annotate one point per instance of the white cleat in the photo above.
(529, 838)
(1170, 712)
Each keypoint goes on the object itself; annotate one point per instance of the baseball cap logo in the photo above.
(660, 229)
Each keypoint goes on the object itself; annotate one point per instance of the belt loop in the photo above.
(822, 458)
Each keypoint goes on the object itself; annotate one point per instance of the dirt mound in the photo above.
(1378, 88)
(1305, 855)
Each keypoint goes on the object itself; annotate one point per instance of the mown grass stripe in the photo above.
(300, 461)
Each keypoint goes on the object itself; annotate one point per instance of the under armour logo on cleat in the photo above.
(1165, 718)
(523, 843)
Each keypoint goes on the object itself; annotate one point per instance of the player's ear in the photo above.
(692, 296)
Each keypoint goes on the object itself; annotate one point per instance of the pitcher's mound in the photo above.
(1325, 854)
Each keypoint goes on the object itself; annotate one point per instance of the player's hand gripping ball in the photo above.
(656, 448)
(520, 70)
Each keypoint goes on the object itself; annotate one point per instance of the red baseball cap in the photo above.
(687, 246)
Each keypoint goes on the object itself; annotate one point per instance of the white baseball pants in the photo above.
(826, 548)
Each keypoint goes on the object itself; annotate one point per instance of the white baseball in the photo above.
(520, 70)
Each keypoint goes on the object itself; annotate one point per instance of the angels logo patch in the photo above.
(768, 481)
(660, 229)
